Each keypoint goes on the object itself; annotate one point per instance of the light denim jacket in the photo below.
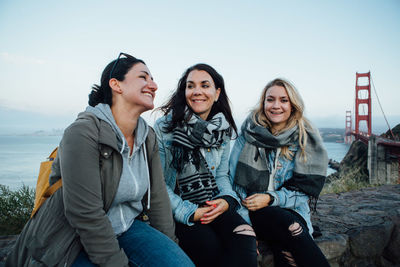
(284, 198)
(218, 163)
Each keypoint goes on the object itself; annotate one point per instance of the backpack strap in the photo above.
(43, 188)
(53, 188)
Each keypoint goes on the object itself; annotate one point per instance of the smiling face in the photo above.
(277, 107)
(201, 93)
(138, 88)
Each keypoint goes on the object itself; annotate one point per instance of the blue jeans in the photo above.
(145, 246)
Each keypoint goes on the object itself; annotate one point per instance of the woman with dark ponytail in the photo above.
(113, 207)
(194, 137)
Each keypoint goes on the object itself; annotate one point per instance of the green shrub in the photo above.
(15, 208)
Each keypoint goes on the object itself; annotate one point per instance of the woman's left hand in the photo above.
(256, 201)
(220, 206)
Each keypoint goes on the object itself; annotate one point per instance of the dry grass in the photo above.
(344, 185)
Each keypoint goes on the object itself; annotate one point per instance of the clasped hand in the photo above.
(206, 214)
(256, 201)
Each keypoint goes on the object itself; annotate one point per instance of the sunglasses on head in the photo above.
(117, 60)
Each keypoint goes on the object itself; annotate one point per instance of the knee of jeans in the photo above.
(289, 257)
(244, 229)
(295, 229)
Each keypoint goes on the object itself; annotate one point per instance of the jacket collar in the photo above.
(107, 135)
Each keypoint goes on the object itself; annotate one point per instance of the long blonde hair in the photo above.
(296, 117)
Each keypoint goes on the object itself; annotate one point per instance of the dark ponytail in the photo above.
(96, 96)
(102, 93)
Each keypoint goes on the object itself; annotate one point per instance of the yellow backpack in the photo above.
(43, 188)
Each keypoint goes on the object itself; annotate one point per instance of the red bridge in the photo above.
(383, 151)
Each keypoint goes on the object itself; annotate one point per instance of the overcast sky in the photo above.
(51, 52)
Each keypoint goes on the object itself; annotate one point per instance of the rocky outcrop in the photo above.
(333, 164)
(354, 164)
(359, 228)
(394, 134)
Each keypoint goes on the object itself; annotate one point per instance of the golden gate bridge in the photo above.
(383, 152)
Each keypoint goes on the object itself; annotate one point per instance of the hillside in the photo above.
(332, 134)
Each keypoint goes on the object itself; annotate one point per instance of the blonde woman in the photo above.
(278, 166)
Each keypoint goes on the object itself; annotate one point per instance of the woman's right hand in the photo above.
(256, 201)
(201, 211)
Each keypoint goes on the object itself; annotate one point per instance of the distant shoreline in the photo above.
(54, 132)
(335, 135)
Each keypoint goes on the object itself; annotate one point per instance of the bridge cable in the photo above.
(379, 102)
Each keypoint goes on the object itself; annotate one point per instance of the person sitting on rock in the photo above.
(111, 173)
(194, 138)
(277, 165)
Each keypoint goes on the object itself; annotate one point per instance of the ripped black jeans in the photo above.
(286, 233)
(227, 241)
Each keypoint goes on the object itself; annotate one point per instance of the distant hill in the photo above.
(335, 135)
(394, 134)
(18, 122)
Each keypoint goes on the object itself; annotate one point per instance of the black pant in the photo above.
(286, 233)
(216, 244)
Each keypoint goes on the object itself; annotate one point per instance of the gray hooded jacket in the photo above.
(75, 216)
(134, 181)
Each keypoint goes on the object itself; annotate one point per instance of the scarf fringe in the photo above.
(182, 155)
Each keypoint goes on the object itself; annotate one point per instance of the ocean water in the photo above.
(336, 151)
(20, 157)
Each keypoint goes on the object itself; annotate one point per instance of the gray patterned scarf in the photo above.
(195, 181)
(253, 174)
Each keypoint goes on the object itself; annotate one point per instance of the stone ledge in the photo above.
(359, 228)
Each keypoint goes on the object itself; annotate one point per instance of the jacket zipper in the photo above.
(68, 254)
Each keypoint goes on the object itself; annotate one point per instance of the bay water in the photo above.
(20, 157)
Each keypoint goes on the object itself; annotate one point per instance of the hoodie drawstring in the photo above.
(123, 145)
(148, 177)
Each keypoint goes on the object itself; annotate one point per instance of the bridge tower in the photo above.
(363, 97)
(347, 132)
